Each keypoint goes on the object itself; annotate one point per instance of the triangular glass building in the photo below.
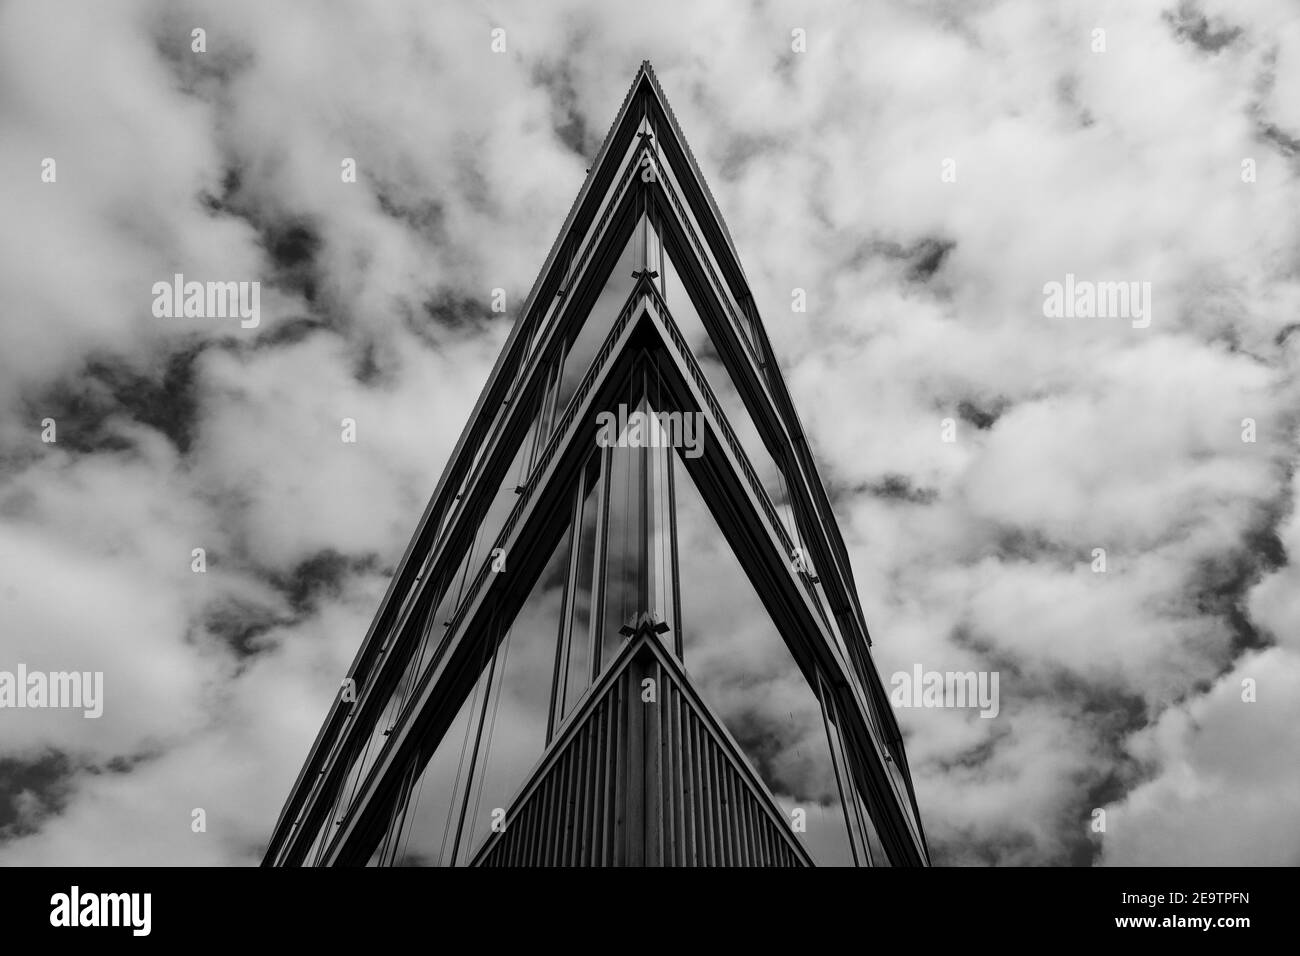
(626, 631)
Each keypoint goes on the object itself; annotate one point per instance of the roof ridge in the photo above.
(690, 157)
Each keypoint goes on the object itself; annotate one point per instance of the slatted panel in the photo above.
(713, 814)
(697, 804)
(569, 817)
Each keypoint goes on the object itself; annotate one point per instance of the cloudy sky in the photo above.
(1120, 691)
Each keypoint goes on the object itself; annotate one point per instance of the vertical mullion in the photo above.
(565, 774)
(675, 569)
(837, 755)
(690, 782)
(478, 739)
(705, 795)
(558, 684)
(607, 783)
(620, 776)
(598, 575)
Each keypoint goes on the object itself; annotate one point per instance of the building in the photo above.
(626, 631)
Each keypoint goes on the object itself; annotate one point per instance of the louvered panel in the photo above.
(655, 782)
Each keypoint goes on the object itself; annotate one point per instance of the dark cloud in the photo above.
(1193, 26)
(981, 418)
(1287, 144)
(927, 257)
(223, 201)
(88, 408)
(451, 311)
(426, 216)
(321, 578)
(241, 625)
(567, 120)
(293, 247)
(32, 789)
(899, 488)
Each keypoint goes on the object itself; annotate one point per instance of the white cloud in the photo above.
(1122, 165)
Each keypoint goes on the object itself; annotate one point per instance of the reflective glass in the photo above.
(514, 734)
(596, 325)
(578, 665)
(746, 673)
(625, 544)
(428, 826)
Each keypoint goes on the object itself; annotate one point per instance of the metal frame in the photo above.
(528, 373)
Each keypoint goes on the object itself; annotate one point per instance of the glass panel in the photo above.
(501, 505)
(515, 733)
(687, 318)
(900, 787)
(846, 787)
(671, 183)
(625, 542)
(870, 850)
(746, 673)
(497, 736)
(658, 526)
(398, 697)
(318, 841)
(631, 154)
(816, 589)
(546, 409)
(428, 827)
(369, 754)
(435, 627)
(432, 628)
(654, 248)
(382, 854)
(588, 339)
(877, 849)
(683, 309)
(670, 429)
(578, 665)
(544, 324)
(338, 804)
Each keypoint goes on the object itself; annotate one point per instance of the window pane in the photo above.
(658, 526)
(741, 323)
(498, 740)
(687, 318)
(514, 734)
(631, 154)
(870, 850)
(578, 668)
(625, 547)
(428, 827)
(597, 324)
(498, 510)
(669, 429)
(744, 670)
(684, 313)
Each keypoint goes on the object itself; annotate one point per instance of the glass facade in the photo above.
(745, 671)
(639, 537)
(632, 535)
(575, 663)
(686, 314)
(518, 707)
